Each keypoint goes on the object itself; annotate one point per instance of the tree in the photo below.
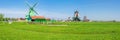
(1, 17)
(6, 19)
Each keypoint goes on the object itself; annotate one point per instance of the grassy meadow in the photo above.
(60, 31)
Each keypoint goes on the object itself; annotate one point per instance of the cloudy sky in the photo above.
(62, 9)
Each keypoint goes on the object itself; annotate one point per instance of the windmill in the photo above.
(33, 15)
(32, 12)
(76, 16)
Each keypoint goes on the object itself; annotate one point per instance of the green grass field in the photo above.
(69, 31)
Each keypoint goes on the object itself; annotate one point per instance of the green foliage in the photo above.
(40, 20)
(6, 19)
(1, 17)
(74, 31)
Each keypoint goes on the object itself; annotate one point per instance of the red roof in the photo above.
(37, 17)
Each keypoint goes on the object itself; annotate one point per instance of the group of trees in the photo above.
(2, 18)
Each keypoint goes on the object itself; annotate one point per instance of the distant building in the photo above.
(21, 19)
(39, 18)
(85, 19)
(68, 19)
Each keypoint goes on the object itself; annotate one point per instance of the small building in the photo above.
(39, 19)
(85, 19)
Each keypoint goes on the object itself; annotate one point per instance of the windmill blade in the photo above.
(35, 4)
(28, 4)
(35, 12)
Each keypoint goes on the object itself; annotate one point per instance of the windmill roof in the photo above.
(37, 17)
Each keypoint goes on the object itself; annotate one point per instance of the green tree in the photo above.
(6, 19)
(1, 17)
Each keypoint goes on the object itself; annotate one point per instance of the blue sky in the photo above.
(62, 9)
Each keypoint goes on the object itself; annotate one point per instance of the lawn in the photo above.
(60, 31)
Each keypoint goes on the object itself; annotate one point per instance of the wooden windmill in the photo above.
(33, 15)
(76, 16)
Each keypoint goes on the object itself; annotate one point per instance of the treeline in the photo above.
(2, 18)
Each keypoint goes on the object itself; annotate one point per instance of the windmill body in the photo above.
(32, 12)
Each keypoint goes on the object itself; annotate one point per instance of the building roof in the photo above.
(37, 17)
